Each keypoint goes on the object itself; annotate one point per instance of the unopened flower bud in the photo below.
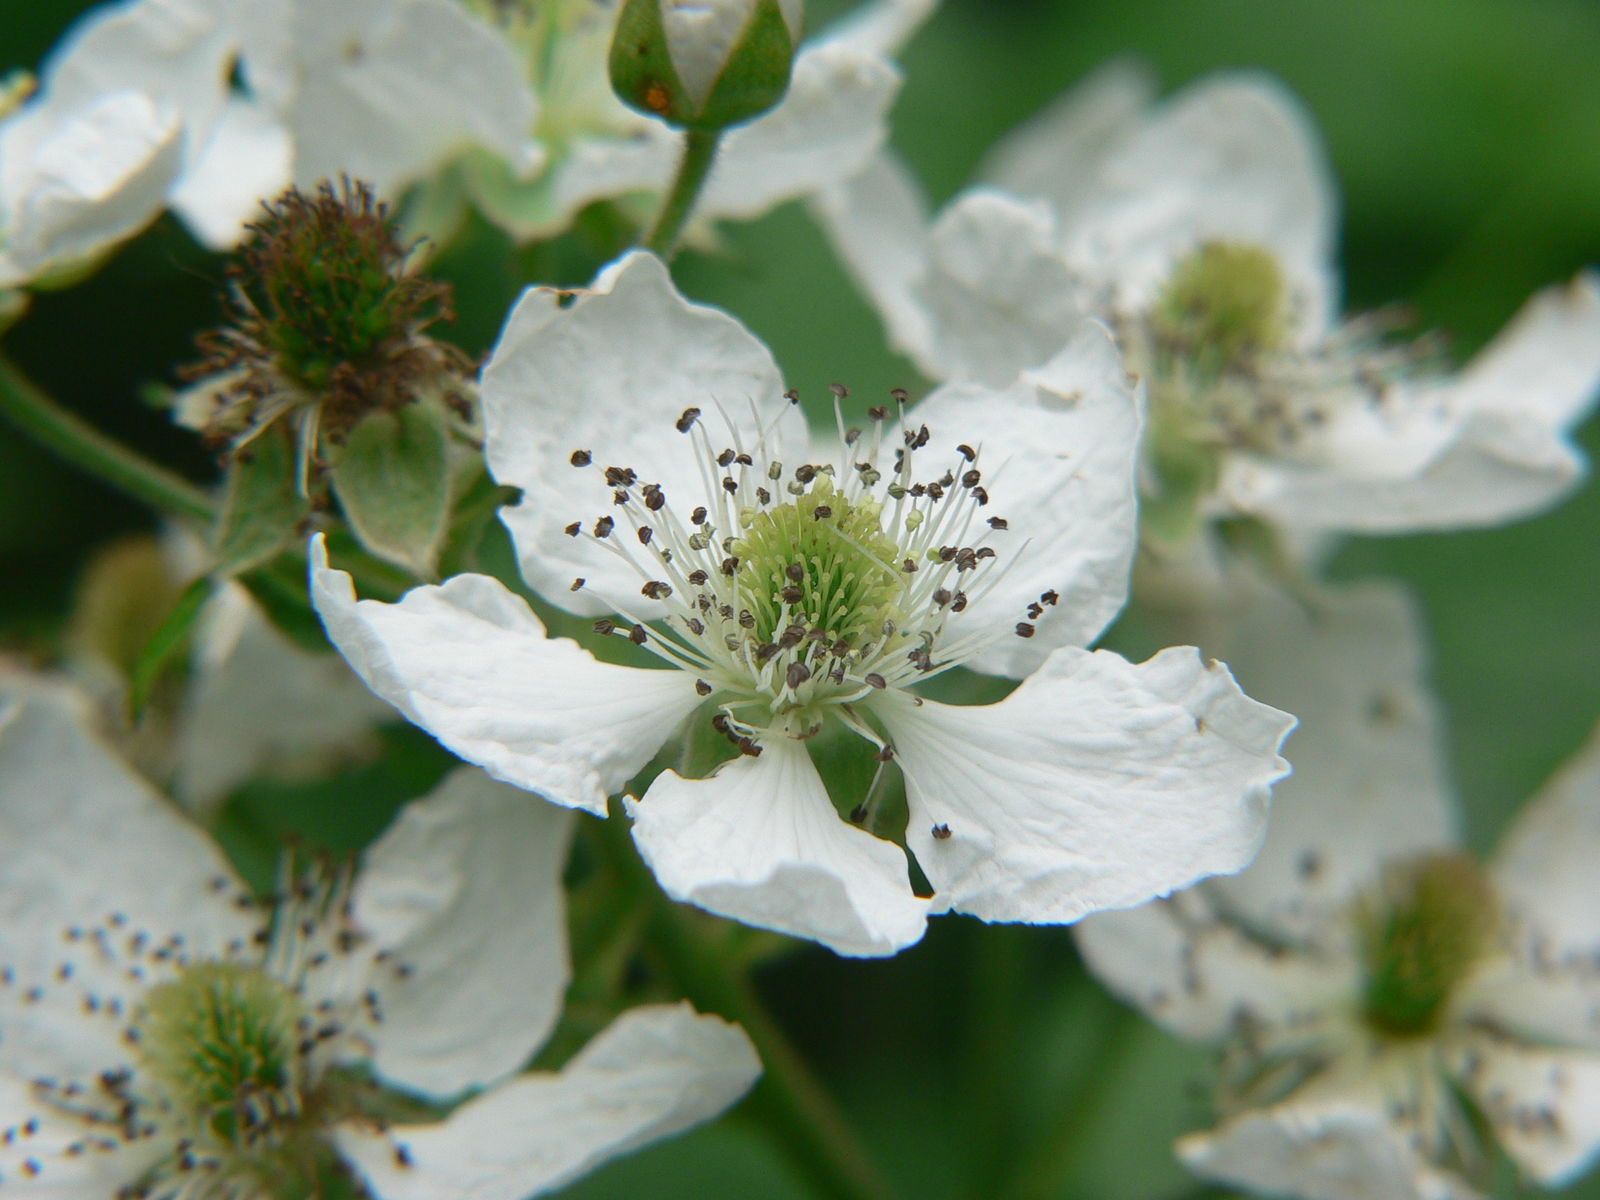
(704, 64)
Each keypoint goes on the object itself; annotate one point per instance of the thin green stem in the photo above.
(699, 152)
(789, 1100)
(74, 439)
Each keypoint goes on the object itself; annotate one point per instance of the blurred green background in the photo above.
(1466, 138)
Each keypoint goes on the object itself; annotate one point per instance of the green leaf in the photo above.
(170, 637)
(393, 482)
(263, 505)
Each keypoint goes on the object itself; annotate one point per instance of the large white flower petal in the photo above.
(1544, 1104)
(1058, 451)
(1369, 782)
(246, 161)
(75, 179)
(86, 844)
(385, 90)
(830, 124)
(471, 664)
(1053, 155)
(611, 375)
(1328, 1141)
(465, 889)
(1097, 784)
(259, 703)
(655, 1072)
(1545, 866)
(761, 842)
(1232, 158)
(1200, 976)
(877, 221)
(999, 294)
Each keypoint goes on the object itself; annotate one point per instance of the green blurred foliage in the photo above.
(1466, 138)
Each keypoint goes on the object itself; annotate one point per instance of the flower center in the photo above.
(1425, 928)
(1225, 302)
(220, 1043)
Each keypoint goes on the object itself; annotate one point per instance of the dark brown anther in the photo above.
(698, 516)
(763, 496)
(840, 392)
(792, 637)
(695, 626)
(730, 484)
(702, 688)
(936, 490)
(959, 603)
(878, 412)
(1052, 597)
(822, 512)
(725, 458)
(983, 552)
(748, 748)
(697, 577)
(645, 534)
(858, 814)
(620, 477)
(792, 395)
(839, 649)
(619, 497)
(998, 523)
(747, 619)
(971, 478)
(744, 460)
(795, 571)
(765, 651)
(581, 458)
(876, 681)
(636, 635)
(1024, 630)
(654, 497)
(981, 495)
(885, 754)
(605, 626)
(574, 529)
(941, 832)
(852, 436)
(686, 422)
(805, 473)
(966, 558)
(603, 527)
(792, 594)
(797, 674)
(1035, 611)
(577, 584)
(656, 589)
(946, 553)
(909, 566)
(941, 596)
(719, 722)
(899, 395)
(967, 452)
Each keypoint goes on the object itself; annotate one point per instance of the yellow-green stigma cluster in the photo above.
(220, 1043)
(1424, 930)
(795, 591)
(1225, 303)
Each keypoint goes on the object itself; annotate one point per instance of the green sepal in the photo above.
(262, 506)
(166, 644)
(393, 483)
(642, 74)
(757, 73)
(1186, 473)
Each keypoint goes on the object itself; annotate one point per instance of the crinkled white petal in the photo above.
(76, 178)
(1328, 1142)
(246, 161)
(1369, 781)
(84, 842)
(761, 842)
(1053, 155)
(832, 121)
(612, 375)
(40, 1165)
(1097, 784)
(1543, 1103)
(1058, 450)
(1530, 997)
(1486, 446)
(1200, 976)
(1234, 158)
(386, 90)
(1545, 867)
(465, 890)
(655, 1072)
(258, 703)
(472, 664)
(176, 52)
(1000, 296)
(877, 221)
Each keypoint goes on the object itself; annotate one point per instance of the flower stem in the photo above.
(789, 1100)
(699, 152)
(74, 439)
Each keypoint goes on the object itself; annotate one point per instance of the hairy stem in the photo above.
(699, 152)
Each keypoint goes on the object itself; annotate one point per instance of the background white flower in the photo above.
(442, 967)
(665, 479)
(1339, 1085)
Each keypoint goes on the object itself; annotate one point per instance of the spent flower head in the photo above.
(799, 593)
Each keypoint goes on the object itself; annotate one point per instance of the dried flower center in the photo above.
(220, 1043)
(1425, 928)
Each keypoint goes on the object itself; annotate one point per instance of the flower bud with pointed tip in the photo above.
(704, 64)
